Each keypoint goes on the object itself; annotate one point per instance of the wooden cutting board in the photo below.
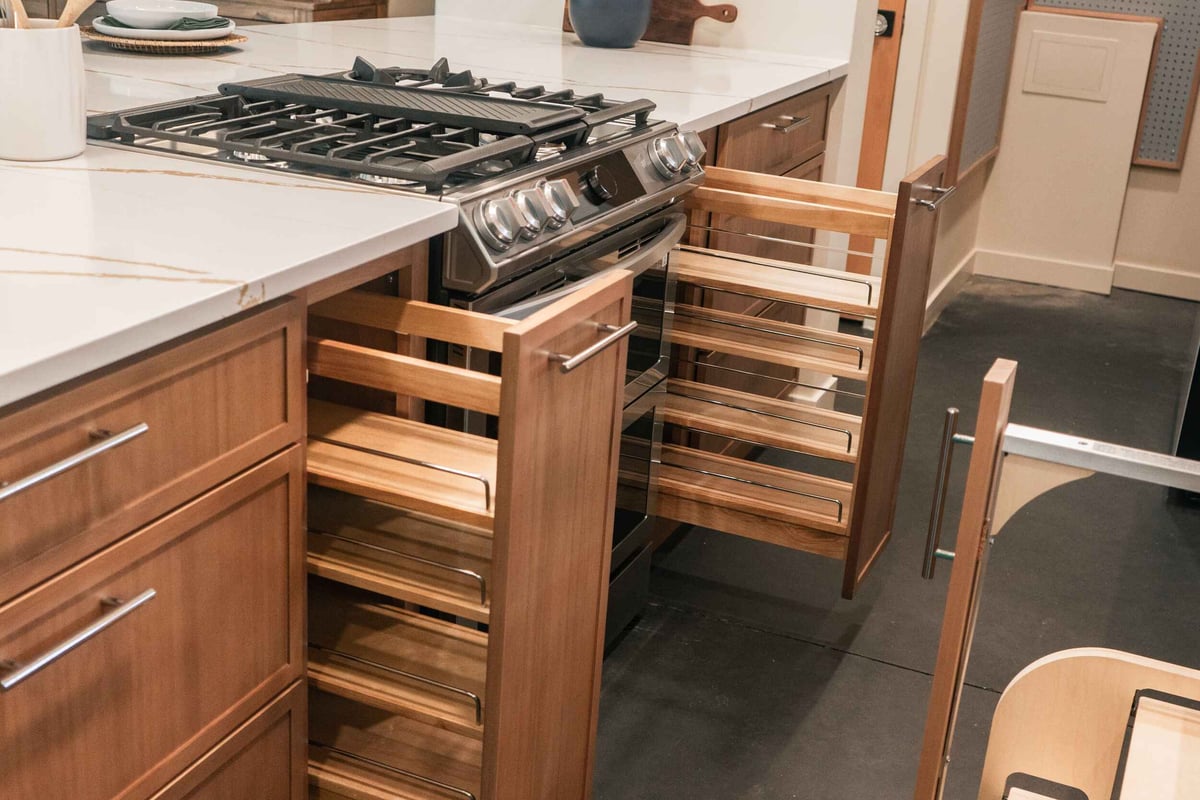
(671, 21)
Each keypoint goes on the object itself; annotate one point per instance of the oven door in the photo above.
(642, 248)
(637, 475)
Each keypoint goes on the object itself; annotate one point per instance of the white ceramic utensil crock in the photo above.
(41, 93)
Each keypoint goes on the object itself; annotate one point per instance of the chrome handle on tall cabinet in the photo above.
(568, 363)
(121, 609)
(791, 123)
(942, 193)
(107, 442)
(933, 538)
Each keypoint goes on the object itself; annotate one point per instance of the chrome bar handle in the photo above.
(790, 123)
(933, 538)
(942, 193)
(121, 609)
(615, 334)
(107, 442)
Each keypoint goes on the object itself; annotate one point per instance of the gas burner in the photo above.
(248, 157)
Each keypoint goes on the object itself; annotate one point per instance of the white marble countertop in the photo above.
(115, 251)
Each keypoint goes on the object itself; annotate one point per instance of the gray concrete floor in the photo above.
(748, 677)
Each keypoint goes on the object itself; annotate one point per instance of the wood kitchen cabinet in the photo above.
(152, 596)
(838, 498)
(460, 582)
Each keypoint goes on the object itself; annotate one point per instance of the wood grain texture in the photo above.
(673, 21)
(558, 459)
(835, 195)
(416, 318)
(893, 372)
(791, 212)
(345, 621)
(215, 403)
(781, 137)
(779, 280)
(398, 741)
(966, 576)
(403, 374)
(773, 342)
(1079, 703)
(453, 497)
(779, 423)
(168, 682)
(771, 240)
(798, 498)
(461, 551)
(264, 759)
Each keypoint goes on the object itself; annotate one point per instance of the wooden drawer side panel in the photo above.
(124, 711)
(213, 406)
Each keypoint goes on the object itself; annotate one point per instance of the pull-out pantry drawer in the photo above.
(95, 462)
(165, 642)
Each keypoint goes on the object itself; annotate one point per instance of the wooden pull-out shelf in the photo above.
(414, 702)
(399, 554)
(368, 754)
(765, 421)
(826, 352)
(758, 501)
(455, 480)
(767, 279)
(396, 660)
(727, 305)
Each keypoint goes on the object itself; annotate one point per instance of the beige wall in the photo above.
(1159, 246)
(958, 231)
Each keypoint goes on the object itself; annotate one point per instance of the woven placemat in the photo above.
(162, 48)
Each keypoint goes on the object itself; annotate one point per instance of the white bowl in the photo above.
(158, 14)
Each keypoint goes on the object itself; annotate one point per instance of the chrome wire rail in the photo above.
(832, 428)
(487, 486)
(366, 662)
(761, 485)
(785, 334)
(788, 381)
(473, 575)
(847, 277)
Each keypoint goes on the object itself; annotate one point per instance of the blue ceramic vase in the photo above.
(610, 23)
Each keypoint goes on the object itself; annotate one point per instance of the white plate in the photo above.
(158, 13)
(164, 36)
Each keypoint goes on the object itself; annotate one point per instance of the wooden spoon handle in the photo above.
(724, 12)
(20, 15)
(71, 12)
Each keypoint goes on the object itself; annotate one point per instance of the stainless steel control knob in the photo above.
(499, 222)
(535, 213)
(561, 201)
(667, 156)
(693, 147)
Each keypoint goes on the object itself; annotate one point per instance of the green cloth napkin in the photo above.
(185, 24)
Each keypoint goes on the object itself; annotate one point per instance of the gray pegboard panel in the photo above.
(989, 80)
(1166, 122)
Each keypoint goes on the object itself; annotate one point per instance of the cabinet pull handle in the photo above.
(933, 539)
(120, 610)
(789, 123)
(107, 442)
(615, 334)
(942, 193)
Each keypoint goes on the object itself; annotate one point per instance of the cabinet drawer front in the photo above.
(195, 414)
(779, 138)
(264, 759)
(119, 712)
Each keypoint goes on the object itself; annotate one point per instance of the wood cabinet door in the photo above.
(264, 759)
(212, 631)
(889, 391)
(552, 545)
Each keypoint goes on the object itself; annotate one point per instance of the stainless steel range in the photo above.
(553, 188)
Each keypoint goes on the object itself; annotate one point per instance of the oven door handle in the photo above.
(653, 252)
